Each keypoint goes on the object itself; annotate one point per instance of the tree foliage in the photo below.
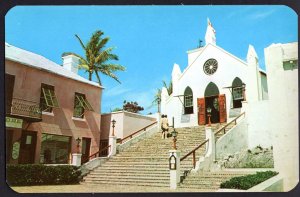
(248, 181)
(168, 87)
(97, 57)
(157, 99)
(132, 107)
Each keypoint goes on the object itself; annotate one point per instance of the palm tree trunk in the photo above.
(158, 106)
(90, 76)
(98, 77)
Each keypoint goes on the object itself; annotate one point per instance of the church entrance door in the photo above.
(216, 102)
(212, 102)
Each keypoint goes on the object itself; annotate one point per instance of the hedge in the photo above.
(38, 174)
(248, 181)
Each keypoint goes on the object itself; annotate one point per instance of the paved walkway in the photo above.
(97, 188)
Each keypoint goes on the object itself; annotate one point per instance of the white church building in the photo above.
(218, 86)
(214, 80)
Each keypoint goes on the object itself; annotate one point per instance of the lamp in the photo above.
(209, 115)
(113, 126)
(174, 135)
(172, 162)
(78, 140)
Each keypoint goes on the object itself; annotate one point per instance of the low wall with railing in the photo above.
(126, 123)
(92, 164)
(143, 134)
(233, 141)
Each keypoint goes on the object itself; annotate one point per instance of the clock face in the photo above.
(210, 66)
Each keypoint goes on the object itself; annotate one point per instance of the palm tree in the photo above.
(168, 87)
(157, 99)
(97, 59)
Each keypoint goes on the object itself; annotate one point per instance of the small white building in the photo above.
(282, 68)
(213, 79)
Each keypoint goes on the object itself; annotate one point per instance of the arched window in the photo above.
(188, 101)
(211, 90)
(238, 94)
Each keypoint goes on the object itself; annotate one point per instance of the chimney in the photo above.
(70, 62)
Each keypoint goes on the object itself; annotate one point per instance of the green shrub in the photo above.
(248, 181)
(38, 174)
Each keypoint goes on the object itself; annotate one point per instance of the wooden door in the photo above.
(27, 148)
(9, 138)
(85, 150)
(222, 107)
(103, 144)
(201, 111)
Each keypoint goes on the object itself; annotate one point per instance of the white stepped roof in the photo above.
(39, 62)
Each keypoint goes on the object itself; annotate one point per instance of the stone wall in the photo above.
(257, 157)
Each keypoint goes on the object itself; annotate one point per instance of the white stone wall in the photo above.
(233, 141)
(126, 123)
(259, 131)
(283, 97)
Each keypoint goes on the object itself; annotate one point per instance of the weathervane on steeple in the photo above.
(200, 43)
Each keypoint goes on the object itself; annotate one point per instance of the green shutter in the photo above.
(50, 98)
(84, 103)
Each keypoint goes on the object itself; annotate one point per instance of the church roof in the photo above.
(34, 60)
(201, 49)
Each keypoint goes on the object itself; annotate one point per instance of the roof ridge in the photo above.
(35, 60)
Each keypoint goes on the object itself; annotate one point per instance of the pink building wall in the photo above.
(126, 123)
(60, 122)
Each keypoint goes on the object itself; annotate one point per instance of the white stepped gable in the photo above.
(210, 36)
(176, 73)
(251, 55)
(164, 97)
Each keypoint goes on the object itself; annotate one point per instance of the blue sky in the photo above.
(148, 39)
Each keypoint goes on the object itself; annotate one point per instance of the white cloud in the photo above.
(115, 91)
(261, 15)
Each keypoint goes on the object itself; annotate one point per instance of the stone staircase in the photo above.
(209, 180)
(146, 162)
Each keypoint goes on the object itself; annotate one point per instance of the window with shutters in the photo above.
(48, 98)
(237, 93)
(188, 101)
(80, 105)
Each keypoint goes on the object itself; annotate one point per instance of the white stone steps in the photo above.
(128, 180)
(136, 177)
(136, 183)
(130, 173)
(124, 169)
(146, 162)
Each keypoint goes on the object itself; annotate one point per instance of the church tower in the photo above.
(210, 36)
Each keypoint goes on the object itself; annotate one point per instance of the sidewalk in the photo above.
(97, 188)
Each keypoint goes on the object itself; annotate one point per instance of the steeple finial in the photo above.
(210, 36)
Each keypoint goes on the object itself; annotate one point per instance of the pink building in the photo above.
(48, 107)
